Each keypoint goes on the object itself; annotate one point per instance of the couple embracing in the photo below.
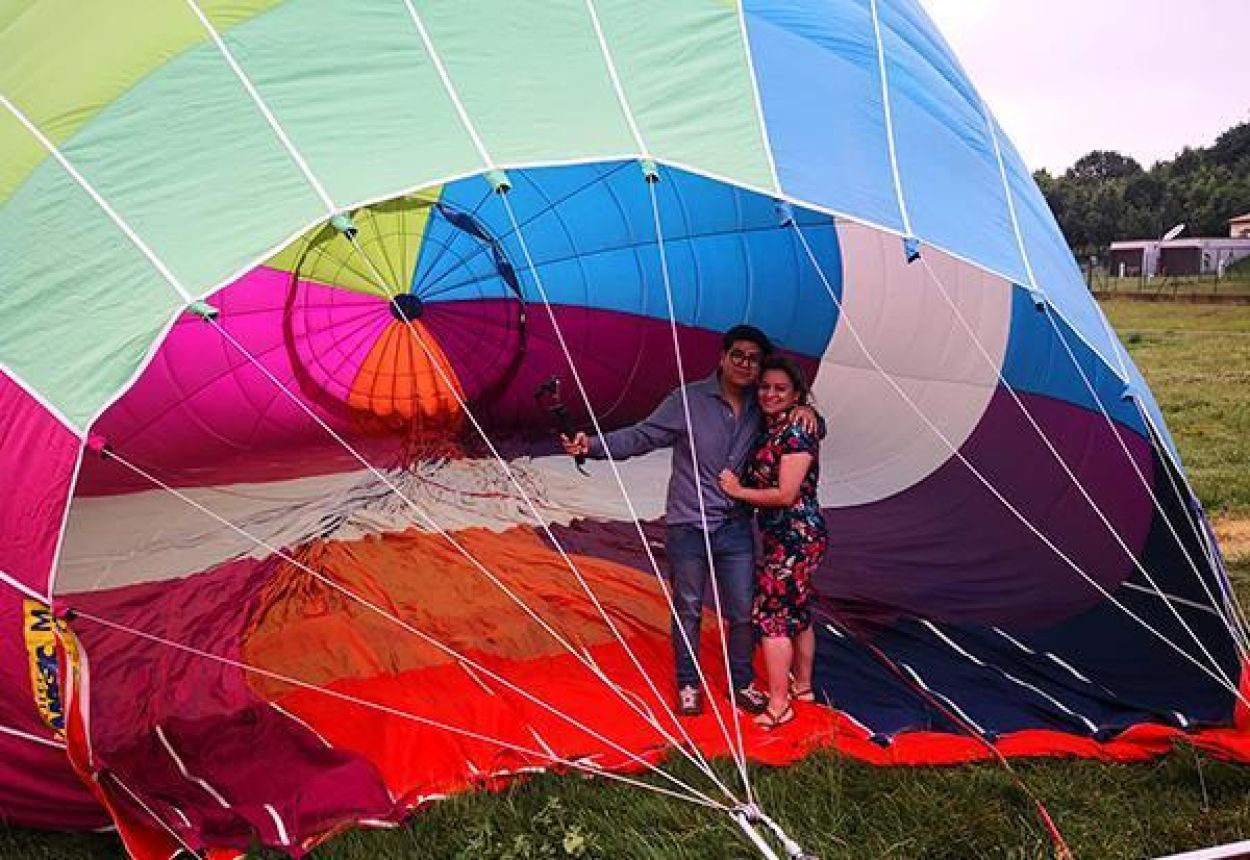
(756, 441)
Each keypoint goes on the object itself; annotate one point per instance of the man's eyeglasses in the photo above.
(745, 359)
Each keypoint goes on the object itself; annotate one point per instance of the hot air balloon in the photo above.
(297, 295)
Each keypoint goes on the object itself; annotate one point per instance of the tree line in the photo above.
(1106, 196)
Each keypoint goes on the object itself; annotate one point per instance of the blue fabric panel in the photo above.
(1059, 277)
(952, 185)
(820, 90)
(591, 233)
(1057, 273)
(1037, 362)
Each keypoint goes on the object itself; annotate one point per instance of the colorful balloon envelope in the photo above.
(298, 297)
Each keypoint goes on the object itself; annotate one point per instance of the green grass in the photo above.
(1197, 359)
(1236, 284)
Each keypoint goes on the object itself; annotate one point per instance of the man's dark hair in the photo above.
(748, 333)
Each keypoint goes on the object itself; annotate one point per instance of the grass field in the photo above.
(1197, 359)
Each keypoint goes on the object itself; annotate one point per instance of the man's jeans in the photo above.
(733, 554)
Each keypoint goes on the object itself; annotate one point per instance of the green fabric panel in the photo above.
(189, 162)
(79, 305)
(531, 76)
(390, 236)
(66, 60)
(356, 92)
(683, 67)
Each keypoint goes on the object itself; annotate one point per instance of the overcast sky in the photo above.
(1143, 77)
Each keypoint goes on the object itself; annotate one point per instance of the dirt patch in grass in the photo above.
(1234, 536)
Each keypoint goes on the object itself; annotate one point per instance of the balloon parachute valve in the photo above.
(650, 171)
(345, 225)
(499, 181)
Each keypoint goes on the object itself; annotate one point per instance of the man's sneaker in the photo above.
(689, 702)
(751, 700)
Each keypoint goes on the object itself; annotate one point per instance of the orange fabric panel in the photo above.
(306, 629)
(399, 379)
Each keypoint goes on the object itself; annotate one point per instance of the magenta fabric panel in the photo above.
(38, 788)
(202, 413)
(37, 455)
(225, 734)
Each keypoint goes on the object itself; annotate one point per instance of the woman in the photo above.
(780, 479)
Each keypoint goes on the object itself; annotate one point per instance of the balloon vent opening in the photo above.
(406, 307)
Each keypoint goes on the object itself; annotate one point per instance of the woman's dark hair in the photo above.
(748, 333)
(780, 362)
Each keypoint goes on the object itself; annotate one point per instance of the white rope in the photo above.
(695, 756)
(176, 285)
(594, 420)
(695, 797)
(383, 613)
(757, 101)
(958, 455)
(616, 81)
(1235, 625)
(1239, 634)
(22, 588)
(949, 701)
(449, 86)
(112, 774)
(698, 486)
(108, 210)
(1076, 482)
(889, 119)
(27, 736)
(1089, 724)
(278, 130)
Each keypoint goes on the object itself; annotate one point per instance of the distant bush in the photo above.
(1106, 196)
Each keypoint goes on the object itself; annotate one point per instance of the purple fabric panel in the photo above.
(947, 549)
(625, 361)
(222, 731)
(202, 413)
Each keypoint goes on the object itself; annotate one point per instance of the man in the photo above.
(725, 419)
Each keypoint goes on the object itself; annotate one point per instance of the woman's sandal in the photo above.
(769, 721)
(802, 694)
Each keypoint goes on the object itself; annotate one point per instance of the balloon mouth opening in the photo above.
(406, 307)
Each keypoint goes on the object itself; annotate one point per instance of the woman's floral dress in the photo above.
(794, 539)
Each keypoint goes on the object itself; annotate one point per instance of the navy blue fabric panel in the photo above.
(849, 677)
(1036, 361)
(591, 233)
